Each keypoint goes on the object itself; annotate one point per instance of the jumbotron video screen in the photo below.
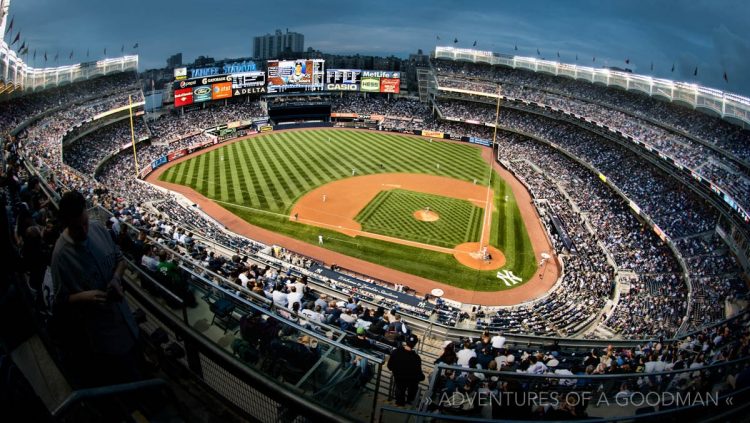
(295, 75)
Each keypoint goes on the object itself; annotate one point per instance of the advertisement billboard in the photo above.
(343, 79)
(221, 90)
(295, 75)
(363, 80)
(180, 73)
(370, 85)
(201, 93)
(201, 81)
(390, 85)
(183, 97)
(248, 79)
(432, 134)
(248, 83)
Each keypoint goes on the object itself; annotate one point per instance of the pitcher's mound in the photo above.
(426, 216)
(469, 255)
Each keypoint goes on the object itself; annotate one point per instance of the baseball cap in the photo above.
(412, 340)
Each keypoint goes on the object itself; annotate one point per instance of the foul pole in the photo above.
(132, 135)
(487, 204)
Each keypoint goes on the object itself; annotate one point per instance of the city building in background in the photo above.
(276, 45)
(174, 61)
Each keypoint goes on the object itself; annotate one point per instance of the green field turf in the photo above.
(260, 178)
(391, 213)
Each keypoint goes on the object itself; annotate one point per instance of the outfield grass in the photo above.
(391, 213)
(260, 178)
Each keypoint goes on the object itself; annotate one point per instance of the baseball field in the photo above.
(398, 201)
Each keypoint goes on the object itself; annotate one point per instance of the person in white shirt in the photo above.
(498, 341)
(293, 296)
(536, 367)
(466, 354)
(348, 317)
(244, 279)
(314, 316)
(279, 297)
(150, 262)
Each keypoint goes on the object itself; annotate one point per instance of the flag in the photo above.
(34, 54)
(437, 37)
(71, 55)
(57, 56)
(538, 52)
(475, 43)
(87, 52)
(652, 66)
(135, 46)
(558, 54)
(515, 47)
(23, 45)
(25, 51)
(122, 49)
(45, 56)
(695, 72)
(455, 40)
(10, 27)
(594, 59)
(627, 61)
(576, 57)
(18, 37)
(672, 67)
(105, 51)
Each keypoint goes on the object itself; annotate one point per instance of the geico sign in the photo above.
(342, 87)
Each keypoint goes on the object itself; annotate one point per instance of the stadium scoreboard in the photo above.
(295, 75)
(363, 80)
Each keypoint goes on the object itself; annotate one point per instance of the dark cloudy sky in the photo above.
(713, 35)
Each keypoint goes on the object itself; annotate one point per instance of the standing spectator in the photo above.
(466, 354)
(406, 367)
(93, 321)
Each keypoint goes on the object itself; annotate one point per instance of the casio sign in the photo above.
(341, 87)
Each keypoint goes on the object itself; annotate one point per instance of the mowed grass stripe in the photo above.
(371, 151)
(359, 152)
(260, 187)
(192, 173)
(286, 187)
(291, 168)
(312, 169)
(307, 166)
(372, 206)
(200, 175)
(179, 175)
(245, 178)
(334, 170)
(235, 193)
(223, 166)
(307, 175)
(330, 159)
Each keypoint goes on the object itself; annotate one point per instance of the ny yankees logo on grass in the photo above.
(508, 277)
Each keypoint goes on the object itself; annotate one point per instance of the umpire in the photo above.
(406, 367)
